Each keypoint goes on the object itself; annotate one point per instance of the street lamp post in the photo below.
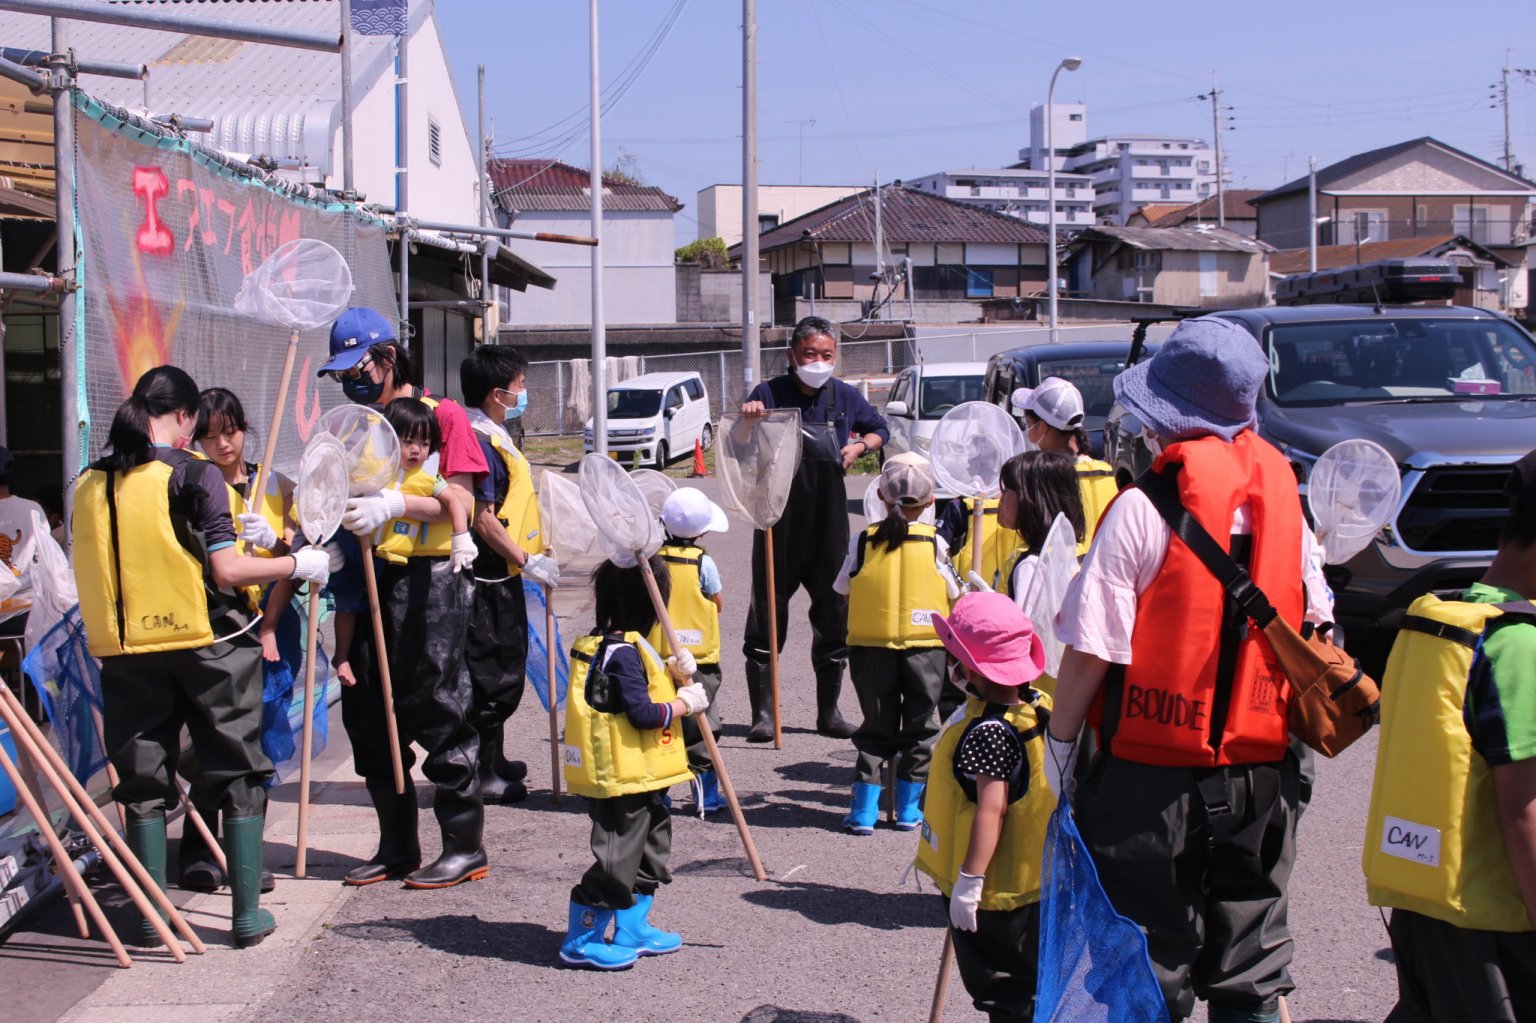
(1071, 64)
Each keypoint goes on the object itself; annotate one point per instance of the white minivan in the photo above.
(921, 396)
(656, 417)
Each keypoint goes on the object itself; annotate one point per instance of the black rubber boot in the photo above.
(462, 822)
(198, 871)
(494, 771)
(146, 839)
(760, 696)
(829, 722)
(399, 850)
(242, 842)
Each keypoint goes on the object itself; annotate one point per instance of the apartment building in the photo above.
(719, 207)
(1016, 192)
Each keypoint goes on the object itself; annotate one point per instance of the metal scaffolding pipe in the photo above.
(105, 68)
(346, 97)
(185, 24)
(26, 76)
(39, 283)
(503, 232)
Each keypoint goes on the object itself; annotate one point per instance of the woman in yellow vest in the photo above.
(895, 588)
(623, 750)
(265, 531)
(1450, 842)
(159, 572)
(695, 604)
(988, 804)
(1053, 421)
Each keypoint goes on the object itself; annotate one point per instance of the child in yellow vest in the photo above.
(989, 804)
(895, 587)
(1036, 487)
(623, 750)
(1053, 415)
(695, 604)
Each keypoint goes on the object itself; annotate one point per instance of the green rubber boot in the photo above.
(242, 841)
(146, 838)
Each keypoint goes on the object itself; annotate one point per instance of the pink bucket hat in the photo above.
(990, 635)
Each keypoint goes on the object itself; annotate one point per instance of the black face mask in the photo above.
(364, 390)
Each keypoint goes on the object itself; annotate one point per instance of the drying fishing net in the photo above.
(302, 285)
(656, 486)
(756, 460)
(371, 447)
(626, 528)
(970, 445)
(1353, 491)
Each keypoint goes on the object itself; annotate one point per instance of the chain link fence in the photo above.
(870, 366)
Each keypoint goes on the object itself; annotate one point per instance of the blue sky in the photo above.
(907, 87)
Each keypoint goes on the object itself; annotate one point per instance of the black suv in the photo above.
(1091, 366)
(1449, 391)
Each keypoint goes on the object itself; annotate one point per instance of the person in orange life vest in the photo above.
(509, 548)
(622, 753)
(159, 575)
(896, 577)
(221, 432)
(422, 599)
(1189, 704)
(1468, 949)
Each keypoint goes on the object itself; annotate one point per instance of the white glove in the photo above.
(682, 665)
(978, 584)
(542, 569)
(694, 696)
(312, 564)
(1060, 765)
(338, 556)
(964, 900)
(367, 513)
(464, 551)
(255, 530)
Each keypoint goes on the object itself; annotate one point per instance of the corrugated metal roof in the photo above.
(270, 100)
(1180, 239)
(907, 215)
(529, 185)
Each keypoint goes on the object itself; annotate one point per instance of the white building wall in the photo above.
(719, 206)
(639, 285)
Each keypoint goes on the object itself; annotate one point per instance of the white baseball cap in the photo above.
(1056, 401)
(687, 513)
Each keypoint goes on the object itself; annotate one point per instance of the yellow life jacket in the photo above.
(402, 538)
(273, 507)
(893, 595)
(949, 807)
(694, 616)
(1097, 486)
(996, 542)
(1432, 839)
(141, 589)
(519, 510)
(605, 755)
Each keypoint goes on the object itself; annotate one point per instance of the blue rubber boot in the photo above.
(866, 809)
(584, 944)
(706, 793)
(633, 930)
(909, 808)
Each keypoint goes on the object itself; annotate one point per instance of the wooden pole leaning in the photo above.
(264, 470)
(977, 518)
(306, 744)
(773, 637)
(705, 731)
(941, 986)
(130, 873)
(554, 709)
(382, 659)
(28, 774)
(73, 882)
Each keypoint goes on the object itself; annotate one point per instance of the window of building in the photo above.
(978, 283)
(1205, 166)
(767, 222)
(434, 141)
(1369, 225)
(1471, 221)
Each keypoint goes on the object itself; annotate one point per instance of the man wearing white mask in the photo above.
(810, 540)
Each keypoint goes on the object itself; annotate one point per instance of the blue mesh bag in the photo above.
(537, 670)
(68, 680)
(1094, 966)
(282, 696)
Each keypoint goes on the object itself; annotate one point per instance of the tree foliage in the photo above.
(707, 252)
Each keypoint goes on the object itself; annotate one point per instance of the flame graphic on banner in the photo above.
(141, 335)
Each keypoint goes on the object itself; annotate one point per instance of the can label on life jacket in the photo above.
(920, 617)
(1409, 841)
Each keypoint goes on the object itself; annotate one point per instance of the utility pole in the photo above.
(1501, 96)
(1312, 214)
(482, 210)
(801, 125)
(1215, 98)
(599, 334)
(751, 348)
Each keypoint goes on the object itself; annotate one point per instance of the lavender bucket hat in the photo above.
(1204, 379)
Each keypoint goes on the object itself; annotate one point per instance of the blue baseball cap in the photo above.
(352, 335)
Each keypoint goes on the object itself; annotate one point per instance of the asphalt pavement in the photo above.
(840, 933)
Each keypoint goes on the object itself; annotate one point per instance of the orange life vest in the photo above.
(1169, 707)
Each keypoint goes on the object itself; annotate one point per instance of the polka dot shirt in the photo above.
(990, 748)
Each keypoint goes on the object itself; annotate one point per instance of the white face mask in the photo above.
(1154, 445)
(815, 374)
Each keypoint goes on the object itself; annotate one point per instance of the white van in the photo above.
(921, 396)
(656, 417)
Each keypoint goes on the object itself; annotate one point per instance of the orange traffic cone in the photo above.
(699, 471)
